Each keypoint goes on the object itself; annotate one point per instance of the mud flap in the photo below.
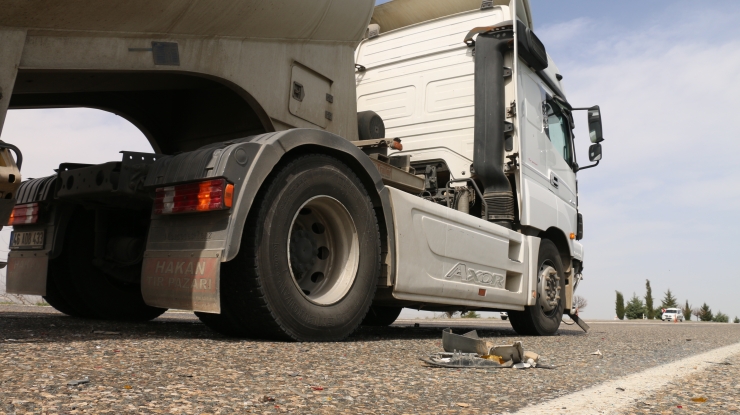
(582, 324)
(185, 280)
(27, 272)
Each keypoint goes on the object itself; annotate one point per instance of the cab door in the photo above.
(560, 162)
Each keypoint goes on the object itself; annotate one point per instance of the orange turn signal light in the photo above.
(229, 195)
(572, 236)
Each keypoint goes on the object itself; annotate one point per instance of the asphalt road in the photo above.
(175, 365)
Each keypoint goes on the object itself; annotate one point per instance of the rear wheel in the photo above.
(309, 260)
(543, 318)
(61, 295)
(381, 316)
(100, 294)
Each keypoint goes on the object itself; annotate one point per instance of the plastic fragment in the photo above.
(317, 388)
(522, 365)
(267, 399)
(126, 386)
(699, 399)
(597, 353)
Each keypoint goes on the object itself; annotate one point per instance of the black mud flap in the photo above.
(582, 324)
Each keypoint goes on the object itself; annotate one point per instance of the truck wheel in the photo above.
(543, 318)
(107, 297)
(381, 316)
(61, 295)
(309, 259)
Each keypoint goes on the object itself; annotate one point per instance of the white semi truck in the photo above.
(317, 165)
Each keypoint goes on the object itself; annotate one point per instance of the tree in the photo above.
(635, 308)
(620, 306)
(470, 314)
(649, 301)
(579, 302)
(696, 312)
(669, 301)
(721, 318)
(705, 313)
(736, 320)
(686, 310)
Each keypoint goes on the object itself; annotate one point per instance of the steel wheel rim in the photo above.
(323, 250)
(549, 287)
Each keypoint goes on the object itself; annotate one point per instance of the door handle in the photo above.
(554, 181)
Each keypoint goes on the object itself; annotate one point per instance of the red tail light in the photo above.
(194, 197)
(24, 214)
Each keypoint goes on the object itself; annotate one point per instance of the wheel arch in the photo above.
(557, 236)
(286, 145)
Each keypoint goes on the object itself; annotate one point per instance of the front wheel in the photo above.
(309, 260)
(543, 318)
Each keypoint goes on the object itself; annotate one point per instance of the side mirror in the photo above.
(594, 126)
(594, 152)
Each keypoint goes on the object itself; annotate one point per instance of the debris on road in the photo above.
(468, 350)
(597, 353)
(78, 382)
(466, 343)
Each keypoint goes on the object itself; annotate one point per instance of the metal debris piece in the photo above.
(462, 360)
(467, 343)
(78, 382)
(598, 353)
(522, 366)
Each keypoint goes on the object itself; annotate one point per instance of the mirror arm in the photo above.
(588, 167)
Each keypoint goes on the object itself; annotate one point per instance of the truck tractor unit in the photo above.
(317, 166)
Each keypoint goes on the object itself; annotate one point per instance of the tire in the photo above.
(536, 320)
(61, 292)
(381, 316)
(504, 318)
(106, 297)
(301, 222)
(57, 299)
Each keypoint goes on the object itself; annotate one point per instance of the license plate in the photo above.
(27, 240)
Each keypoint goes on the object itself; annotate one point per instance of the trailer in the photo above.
(317, 165)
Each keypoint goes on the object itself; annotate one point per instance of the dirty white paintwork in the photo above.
(447, 256)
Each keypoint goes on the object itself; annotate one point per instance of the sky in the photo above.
(662, 204)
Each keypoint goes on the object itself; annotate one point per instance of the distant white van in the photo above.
(671, 314)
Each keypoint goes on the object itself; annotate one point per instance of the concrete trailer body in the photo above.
(270, 206)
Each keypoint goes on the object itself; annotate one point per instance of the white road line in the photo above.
(605, 398)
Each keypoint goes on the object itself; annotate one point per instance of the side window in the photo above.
(557, 130)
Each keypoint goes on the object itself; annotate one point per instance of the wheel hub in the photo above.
(323, 250)
(549, 287)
